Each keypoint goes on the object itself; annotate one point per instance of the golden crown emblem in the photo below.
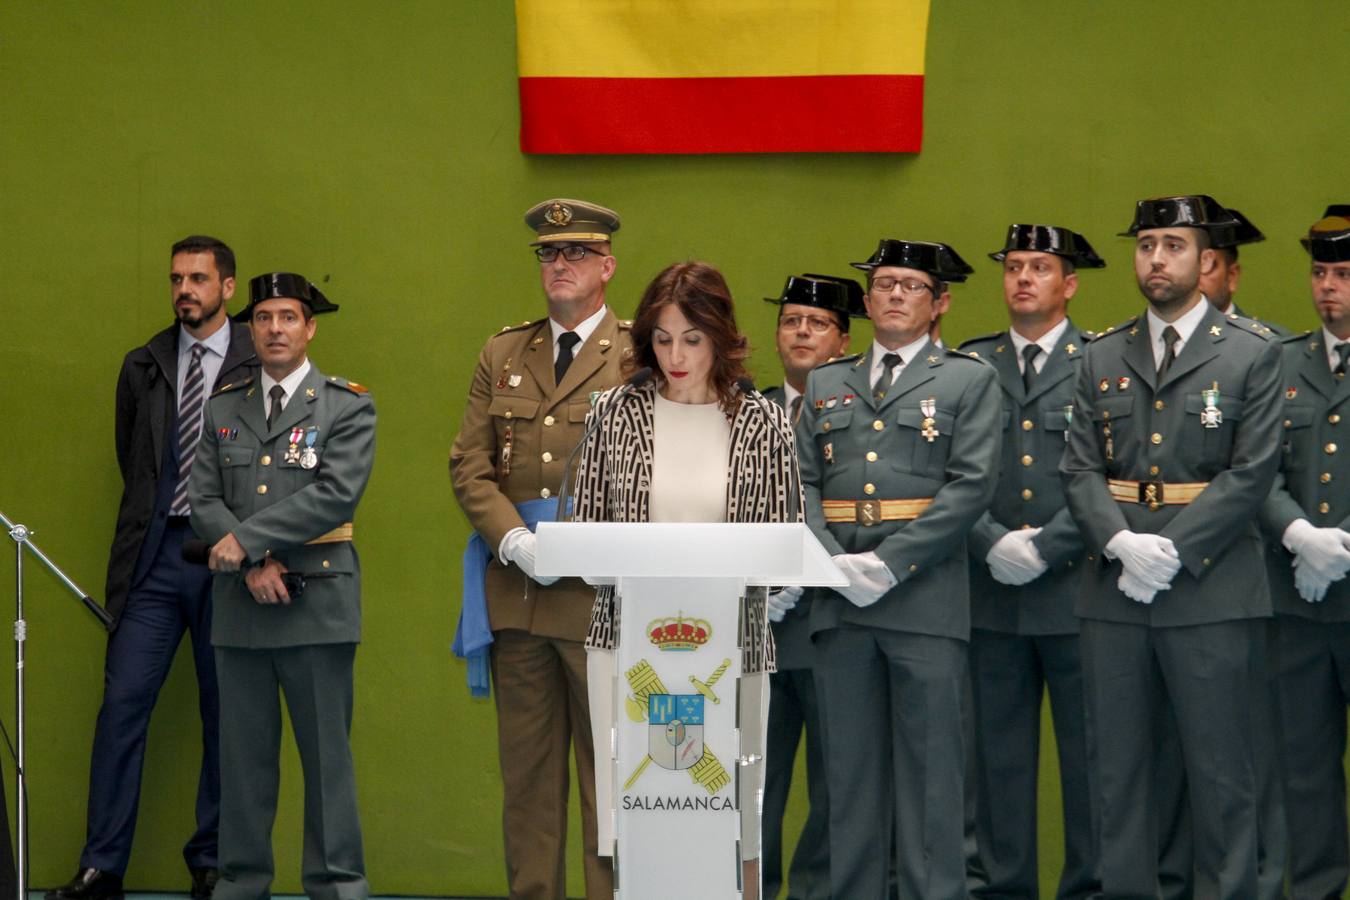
(678, 633)
(558, 215)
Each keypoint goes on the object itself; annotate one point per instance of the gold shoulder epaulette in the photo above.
(232, 386)
(352, 386)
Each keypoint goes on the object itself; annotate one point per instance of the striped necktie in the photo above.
(189, 428)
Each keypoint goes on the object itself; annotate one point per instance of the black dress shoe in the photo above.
(203, 882)
(89, 884)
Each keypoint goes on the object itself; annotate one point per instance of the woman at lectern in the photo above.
(692, 443)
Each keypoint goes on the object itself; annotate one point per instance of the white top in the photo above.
(1047, 344)
(691, 446)
(289, 384)
(1185, 327)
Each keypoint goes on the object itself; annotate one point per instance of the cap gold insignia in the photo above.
(558, 215)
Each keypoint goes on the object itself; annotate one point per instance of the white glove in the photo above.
(1150, 558)
(1014, 559)
(1311, 585)
(1134, 588)
(868, 578)
(1325, 550)
(519, 546)
(782, 601)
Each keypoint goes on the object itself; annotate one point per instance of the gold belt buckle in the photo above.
(1151, 493)
(868, 512)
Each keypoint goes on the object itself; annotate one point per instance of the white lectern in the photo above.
(676, 746)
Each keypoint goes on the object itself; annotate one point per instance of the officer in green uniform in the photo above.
(282, 463)
(813, 326)
(1176, 856)
(1025, 556)
(1307, 521)
(1171, 450)
(899, 450)
(1220, 284)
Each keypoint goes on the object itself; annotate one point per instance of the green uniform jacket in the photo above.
(1030, 493)
(1155, 433)
(792, 636)
(243, 484)
(1314, 478)
(851, 447)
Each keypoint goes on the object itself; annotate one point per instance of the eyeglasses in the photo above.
(909, 287)
(814, 323)
(571, 253)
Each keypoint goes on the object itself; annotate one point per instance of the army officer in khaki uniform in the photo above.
(282, 463)
(1171, 451)
(1024, 573)
(526, 412)
(899, 450)
(1307, 520)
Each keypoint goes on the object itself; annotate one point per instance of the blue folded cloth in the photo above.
(473, 634)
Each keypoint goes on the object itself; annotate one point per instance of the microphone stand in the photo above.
(22, 538)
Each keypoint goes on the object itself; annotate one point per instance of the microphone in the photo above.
(635, 381)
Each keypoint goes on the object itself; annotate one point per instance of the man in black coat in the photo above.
(152, 595)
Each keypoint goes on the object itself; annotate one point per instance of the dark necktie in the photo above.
(795, 411)
(1170, 338)
(566, 341)
(1029, 354)
(189, 428)
(276, 393)
(887, 376)
(1343, 351)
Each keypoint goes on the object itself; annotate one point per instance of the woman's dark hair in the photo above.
(702, 295)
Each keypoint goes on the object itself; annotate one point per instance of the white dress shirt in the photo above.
(1185, 327)
(583, 330)
(290, 384)
(906, 353)
(1046, 342)
(1332, 342)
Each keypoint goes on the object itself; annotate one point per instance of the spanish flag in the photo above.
(721, 76)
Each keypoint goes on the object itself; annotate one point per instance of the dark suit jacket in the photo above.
(1030, 493)
(1314, 470)
(1156, 434)
(146, 411)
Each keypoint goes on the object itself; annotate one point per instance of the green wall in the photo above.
(373, 147)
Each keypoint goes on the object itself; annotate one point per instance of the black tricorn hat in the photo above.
(829, 292)
(1051, 239)
(1242, 231)
(1193, 211)
(938, 260)
(284, 286)
(1328, 240)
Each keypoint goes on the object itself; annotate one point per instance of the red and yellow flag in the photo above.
(721, 76)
